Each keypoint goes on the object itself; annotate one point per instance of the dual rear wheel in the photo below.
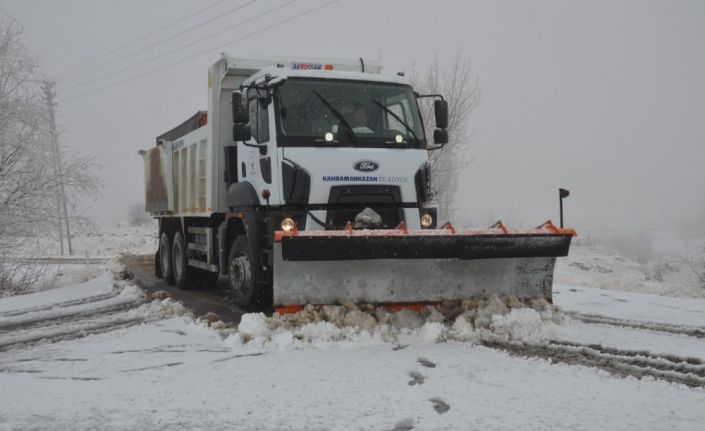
(173, 263)
(244, 276)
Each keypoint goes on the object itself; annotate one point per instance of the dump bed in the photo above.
(177, 173)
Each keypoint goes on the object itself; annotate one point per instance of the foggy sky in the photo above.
(605, 98)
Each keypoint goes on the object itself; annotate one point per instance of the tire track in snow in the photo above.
(691, 331)
(63, 304)
(71, 333)
(639, 364)
(68, 317)
(635, 353)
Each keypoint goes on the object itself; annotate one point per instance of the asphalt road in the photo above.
(141, 269)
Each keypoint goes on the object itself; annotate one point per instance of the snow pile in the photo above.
(368, 218)
(159, 309)
(469, 321)
(510, 320)
(128, 291)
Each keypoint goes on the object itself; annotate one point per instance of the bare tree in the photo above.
(28, 179)
(462, 91)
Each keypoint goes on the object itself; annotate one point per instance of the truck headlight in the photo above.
(427, 220)
(288, 224)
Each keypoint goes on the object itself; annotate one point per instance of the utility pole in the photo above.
(61, 196)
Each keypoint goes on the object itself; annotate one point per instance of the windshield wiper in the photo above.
(396, 117)
(339, 116)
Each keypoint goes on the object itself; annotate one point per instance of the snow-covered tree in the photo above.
(137, 216)
(29, 176)
(461, 89)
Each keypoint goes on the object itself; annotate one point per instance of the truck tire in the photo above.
(165, 260)
(182, 272)
(242, 274)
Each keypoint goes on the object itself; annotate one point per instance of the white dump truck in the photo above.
(307, 182)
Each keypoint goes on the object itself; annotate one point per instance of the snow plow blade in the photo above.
(400, 266)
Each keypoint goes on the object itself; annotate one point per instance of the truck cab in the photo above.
(324, 145)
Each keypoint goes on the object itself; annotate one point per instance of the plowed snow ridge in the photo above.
(62, 304)
(693, 331)
(523, 331)
(117, 305)
(620, 362)
(122, 297)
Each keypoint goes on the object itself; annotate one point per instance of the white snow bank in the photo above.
(160, 309)
(522, 325)
(490, 320)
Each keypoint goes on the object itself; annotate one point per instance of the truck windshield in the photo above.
(330, 112)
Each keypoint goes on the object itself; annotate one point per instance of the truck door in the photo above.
(258, 160)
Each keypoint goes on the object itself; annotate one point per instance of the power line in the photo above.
(284, 21)
(141, 38)
(153, 44)
(164, 54)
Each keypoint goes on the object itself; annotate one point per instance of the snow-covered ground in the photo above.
(101, 354)
(594, 264)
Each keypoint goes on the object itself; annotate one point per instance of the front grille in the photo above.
(348, 201)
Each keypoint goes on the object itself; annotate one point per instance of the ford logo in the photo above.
(365, 166)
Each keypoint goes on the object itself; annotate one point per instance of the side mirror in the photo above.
(241, 112)
(440, 107)
(241, 132)
(440, 136)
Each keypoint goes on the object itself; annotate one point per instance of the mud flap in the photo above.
(157, 266)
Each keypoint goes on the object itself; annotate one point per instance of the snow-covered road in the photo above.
(124, 362)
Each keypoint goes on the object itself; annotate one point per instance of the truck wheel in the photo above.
(242, 274)
(182, 272)
(165, 261)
